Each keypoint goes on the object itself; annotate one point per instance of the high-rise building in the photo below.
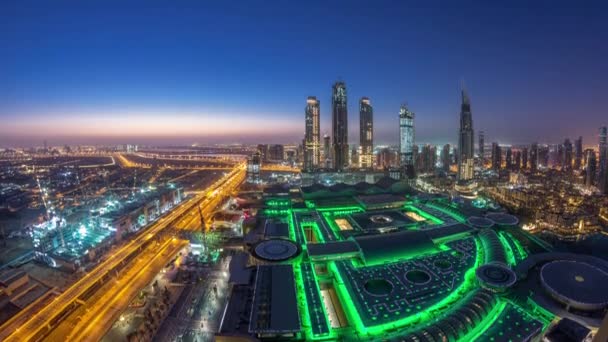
(366, 133)
(496, 156)
(534, 157)
(386, 158)
(445, 158)
(517, 160)
(524, 158)
(406, 137)
(602, 180)
(465, 140)
(263, 148)
(578, 153)
(339, 126)
(354, 157)
(327, 151)
(590, 167)
(509, 159)
(276, 153)
(254, 165)
(312, 136)
(567, 156)
(481, 147)
(428, 158)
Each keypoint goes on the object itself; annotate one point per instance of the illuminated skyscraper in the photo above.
(339, 126)
(312, 136)
(366, 133)
(524, 158)
(509, 159)
(481, 147)
(602, 180)
(578, 153)
(327, 151)
(590, 167)
(406, 138)
(465, 140)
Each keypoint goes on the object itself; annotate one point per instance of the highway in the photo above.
(32, 326)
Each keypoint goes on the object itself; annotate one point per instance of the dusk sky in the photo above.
(232, 71)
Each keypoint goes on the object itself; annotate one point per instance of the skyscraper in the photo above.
(481, 148)
(496, 156)
(524, 158)
(312, 136)
(578, 153)
(327, 151)
(445, 158)
(406, 138)
(509, 159)
(602, 180)
(567, 156)
(590, 167)
(465, 140)
(534, 157)
(339, 126)
(366, 133)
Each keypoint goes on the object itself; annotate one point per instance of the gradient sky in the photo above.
(240, 71)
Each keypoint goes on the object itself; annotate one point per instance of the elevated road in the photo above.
(33, 326)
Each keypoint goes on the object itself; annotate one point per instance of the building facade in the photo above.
(406, 137)
(312, 136)
(339, 126)
(366, 133)
(465, 140)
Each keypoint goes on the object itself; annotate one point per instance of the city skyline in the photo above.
(196, 73)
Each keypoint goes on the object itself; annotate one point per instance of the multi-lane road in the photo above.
(33, 326)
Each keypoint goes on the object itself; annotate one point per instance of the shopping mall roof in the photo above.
(275, 308)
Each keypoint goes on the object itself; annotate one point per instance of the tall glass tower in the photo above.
(602, 180)
(366, 133)
(339, 126)
(465, 140)
(312, 136)
(406, 138)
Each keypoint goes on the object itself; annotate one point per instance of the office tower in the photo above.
(445, 158)
(406, 137)
(602, 180)
(567, 156)
(366, 133)
(276, 152)
(428, 158)
(254, 165)
(339, 126)
(312, 136)
(354, 157)
(578, 153)
(517, 160)
(509, 159)
(524, 158)
(465, 140)
(327, 151)
(557, 155)
(263, 148)
(416, 157)
(481, 147)
(386, 158)
(496, 156)
(543, 156)
(590, 167)
(534, 157)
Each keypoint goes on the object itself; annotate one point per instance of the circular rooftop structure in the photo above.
(503, 219)
(380, 218)
(418, 277)
(275, 250)
(495, 276)
(575, 284)
(480, 222)
(378, 287)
